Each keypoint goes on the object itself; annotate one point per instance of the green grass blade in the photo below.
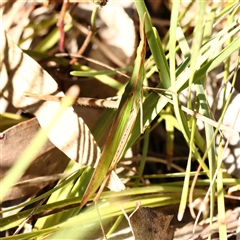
(48, 193)
(220, 198)
(155, 44)
(143, 158)
(93, 73)
(197, 42)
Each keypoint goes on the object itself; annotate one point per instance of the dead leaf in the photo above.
(49, 161)
(149, 223)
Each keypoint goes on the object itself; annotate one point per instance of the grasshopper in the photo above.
(122, 126)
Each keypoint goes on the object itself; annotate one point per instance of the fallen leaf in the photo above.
(49, 161)
(149, 223)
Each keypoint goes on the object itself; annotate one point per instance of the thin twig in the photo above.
(90, 102)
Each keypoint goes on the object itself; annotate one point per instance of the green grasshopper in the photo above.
(122, 126)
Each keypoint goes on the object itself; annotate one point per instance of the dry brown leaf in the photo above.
(149, 223)
(49, 160)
